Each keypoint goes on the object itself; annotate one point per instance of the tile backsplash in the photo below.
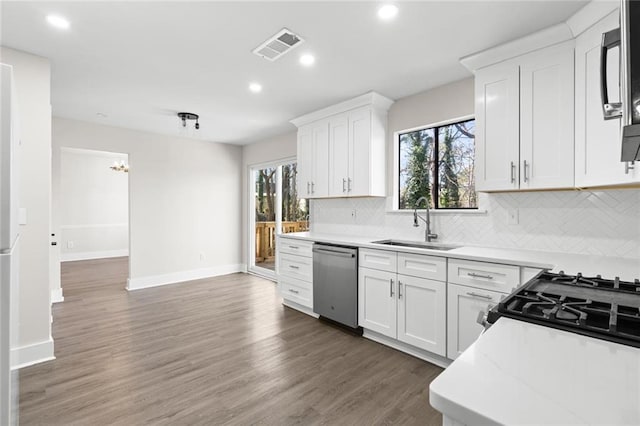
(603, 223)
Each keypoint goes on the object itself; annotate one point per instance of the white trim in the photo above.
(178, 277)
(56, 296)
(96, 225)
(589, 15)
(538, 40)
(35, 353)
(395, 196)
(372, 98)
(94, 152)
(69, 257)
(298, 307)
(438, 360)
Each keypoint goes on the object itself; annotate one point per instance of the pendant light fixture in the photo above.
(184, 116)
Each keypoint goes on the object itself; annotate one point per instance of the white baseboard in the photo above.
(177, 277)
(298, 307)
(438, 360)
(87, 255)
(56, 295)
(25, 356)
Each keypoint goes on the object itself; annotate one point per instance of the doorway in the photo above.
(274, 209)
(91, 206)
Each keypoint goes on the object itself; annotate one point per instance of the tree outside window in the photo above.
(438, 163)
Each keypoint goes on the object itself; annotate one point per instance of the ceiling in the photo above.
(139, 63)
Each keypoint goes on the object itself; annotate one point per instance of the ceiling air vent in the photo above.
(278, 45)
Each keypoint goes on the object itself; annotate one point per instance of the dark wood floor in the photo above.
(214, 351)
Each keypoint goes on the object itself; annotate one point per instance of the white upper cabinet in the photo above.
(313, 155)
(524, 119)
(597, 161)
(497, 126)
(352, 157)
(546, 118)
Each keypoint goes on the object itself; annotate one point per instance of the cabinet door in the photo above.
(377, 301)
(320, 160)
(497, 127)
(463, 305)
(305, 161)
(546, 118)
(338, 155)
(358, 183)
(597, 140)
(422, 318)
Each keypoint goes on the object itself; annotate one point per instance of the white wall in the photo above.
(94, 204)
(272, 149)
(185, 201)
(32, 82)
(591, 222)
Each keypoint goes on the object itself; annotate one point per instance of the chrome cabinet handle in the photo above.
(399, 290)
(294, 267)
(628, 166)
(294, 291)
(513, 172)
(526, 171)
(294, 247)
(391, 287)
(344, 185)
(349, 185)
(313, 187)
(308, 190)
(474, 275)
(482, 296)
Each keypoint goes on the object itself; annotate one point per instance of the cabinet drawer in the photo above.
(296, 291)
(297, 267)
(378, 259)
(294, 246)
(421, 266)
(489, 276)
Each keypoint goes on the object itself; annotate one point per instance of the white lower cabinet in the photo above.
(463, 306)
(422, 313)
(407, 308)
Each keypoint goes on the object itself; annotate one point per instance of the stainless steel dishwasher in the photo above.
(335, 283)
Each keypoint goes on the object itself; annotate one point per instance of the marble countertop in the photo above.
(571, 263)
(521, 373)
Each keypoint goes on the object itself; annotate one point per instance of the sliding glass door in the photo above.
(274, 208)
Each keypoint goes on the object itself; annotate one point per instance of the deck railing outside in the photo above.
(266, 237)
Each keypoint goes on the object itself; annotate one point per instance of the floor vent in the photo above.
(276, 46)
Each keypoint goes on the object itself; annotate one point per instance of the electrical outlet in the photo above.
(70, 244)
(353, 214)
(512, 217)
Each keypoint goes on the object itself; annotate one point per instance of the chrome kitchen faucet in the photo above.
(428, 236)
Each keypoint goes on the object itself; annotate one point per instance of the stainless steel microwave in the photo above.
(627, 37)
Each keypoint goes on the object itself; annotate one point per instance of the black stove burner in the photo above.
(597, 307)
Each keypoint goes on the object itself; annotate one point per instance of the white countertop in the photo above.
(520, 373)
(571, 263)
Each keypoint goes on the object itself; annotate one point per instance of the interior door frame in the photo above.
(251, 207)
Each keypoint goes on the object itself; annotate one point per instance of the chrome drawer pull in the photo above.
(294, 291)
(399, 290)
(482, 296)
(391, 287)
(294, 247)
(474, 275)
(294, 267)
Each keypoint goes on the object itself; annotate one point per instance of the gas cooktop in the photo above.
(592, 306)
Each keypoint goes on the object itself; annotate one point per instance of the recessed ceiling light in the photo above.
(255, 87)
(387, 12)
(58, 22)
(307, 59)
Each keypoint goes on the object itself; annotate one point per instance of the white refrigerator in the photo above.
(9, 244)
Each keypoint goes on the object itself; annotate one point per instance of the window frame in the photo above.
(396, 164)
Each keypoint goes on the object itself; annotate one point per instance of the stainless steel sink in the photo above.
(416, 244)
